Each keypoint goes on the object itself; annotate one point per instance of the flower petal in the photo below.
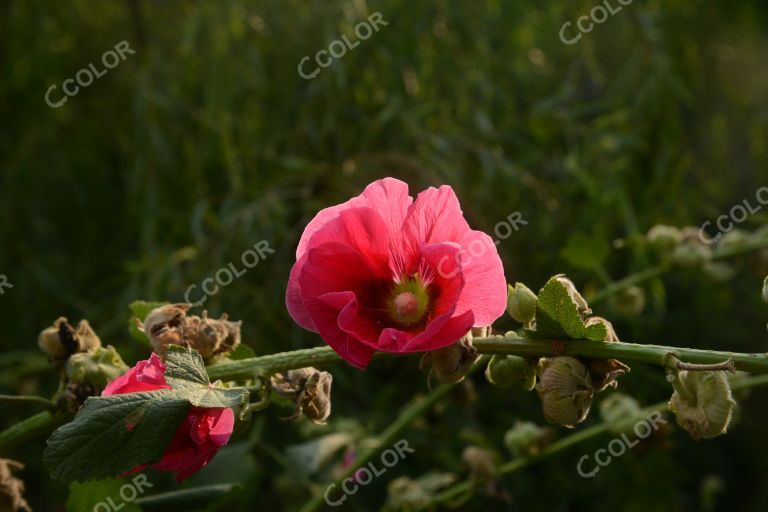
(147, 375)
(326, 312)
(485, 288)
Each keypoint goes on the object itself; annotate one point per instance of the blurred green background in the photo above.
(207, 141)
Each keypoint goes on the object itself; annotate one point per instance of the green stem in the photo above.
(627, 352)
(387, 438)
(662, 268)
(30, 428)
(467, 486)
(37, 400)
(631, 280)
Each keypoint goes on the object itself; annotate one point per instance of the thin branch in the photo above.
(467, 486)
(37, 400)
(662, 268)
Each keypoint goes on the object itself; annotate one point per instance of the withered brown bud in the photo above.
(171, 324)
(480, 463)
(450, 364)
(566, 390)
(12, 488)
(310, 388)
(61, 340)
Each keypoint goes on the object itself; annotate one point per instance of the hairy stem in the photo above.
(626, 352)
(387, 438)
(23, 399)
(30, 428)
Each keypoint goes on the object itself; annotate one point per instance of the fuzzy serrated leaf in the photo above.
(111, 435)
(184, 368)
(558, 317)
(185, 372)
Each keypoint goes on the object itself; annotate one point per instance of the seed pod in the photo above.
(171, 325)
(315, 400)
(620, 412)
(309, 388)
(450, 364)
(507, 371)
(702, 402)
(165, 326)
(630, 302)
(691, 253)
(734, 239)
(664, 237)
(526, 438)
(61, 340)
(480, 462)
(521, 303)
(566, 390)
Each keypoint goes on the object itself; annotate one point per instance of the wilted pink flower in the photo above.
(384, 272)
(199, 436)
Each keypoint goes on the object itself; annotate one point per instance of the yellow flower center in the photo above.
(409, 302)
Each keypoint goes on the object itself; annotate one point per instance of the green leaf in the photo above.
(111, 435)
(185, 372)
(140, 310)
(87, 496)
(184, 368)
(242, 351)
(557, 316)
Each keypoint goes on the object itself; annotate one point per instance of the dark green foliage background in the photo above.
(207, 141)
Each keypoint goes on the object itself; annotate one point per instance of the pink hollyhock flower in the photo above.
(384, 272)
(199, 436)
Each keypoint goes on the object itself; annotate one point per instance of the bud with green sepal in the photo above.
(521, 303)
(526, 439)
(702, 400)
(97, 367)
(506, 371)
(664, 237)
(620, 412)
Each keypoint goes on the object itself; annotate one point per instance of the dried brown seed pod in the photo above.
(171, 324)
(61, 340)
(310, 388)
(12, 488)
